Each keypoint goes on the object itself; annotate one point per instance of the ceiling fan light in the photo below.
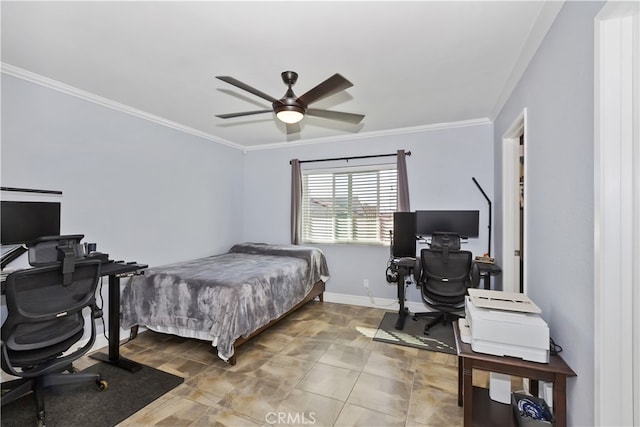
(289, 116)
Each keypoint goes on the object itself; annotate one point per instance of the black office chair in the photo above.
(44, 320)
(444, 273)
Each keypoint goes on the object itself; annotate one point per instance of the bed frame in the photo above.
(316, 291)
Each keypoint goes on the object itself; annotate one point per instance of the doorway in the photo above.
(617, 215)
(514, 235)
(519, 227)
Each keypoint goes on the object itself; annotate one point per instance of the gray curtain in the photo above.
(403, 204)
(296, 202)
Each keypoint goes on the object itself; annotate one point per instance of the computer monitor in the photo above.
(24, 221)
(404, 234)
(465, 223)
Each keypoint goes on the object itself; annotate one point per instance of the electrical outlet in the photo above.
(365, 283)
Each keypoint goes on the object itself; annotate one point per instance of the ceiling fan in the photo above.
(291, 109)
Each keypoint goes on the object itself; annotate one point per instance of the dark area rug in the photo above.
(84, 405)
(440, 336)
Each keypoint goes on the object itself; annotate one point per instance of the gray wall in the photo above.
(156, 195)
(142, 191)
(557, 90)
(440, 170)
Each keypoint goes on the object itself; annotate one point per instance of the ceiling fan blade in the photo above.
(333, 84)
(244, 113)
(244, 86)
(336, 115)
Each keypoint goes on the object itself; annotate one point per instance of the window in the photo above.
(349, 206)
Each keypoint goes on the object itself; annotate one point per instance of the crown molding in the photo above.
(38, 79)
(375, 134)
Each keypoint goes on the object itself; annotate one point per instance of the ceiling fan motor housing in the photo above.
(289, 104)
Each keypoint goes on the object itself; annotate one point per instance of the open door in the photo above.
(513, 207)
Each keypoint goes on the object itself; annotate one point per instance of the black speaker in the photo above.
(404, 234)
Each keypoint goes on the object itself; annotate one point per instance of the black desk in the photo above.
(486, 271)
(404, 267)
(114, 270)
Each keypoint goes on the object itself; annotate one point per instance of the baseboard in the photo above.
(374, 302)
(102, 343)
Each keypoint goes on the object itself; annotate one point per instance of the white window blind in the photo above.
(349, 206)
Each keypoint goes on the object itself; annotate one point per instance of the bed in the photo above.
(227, 298)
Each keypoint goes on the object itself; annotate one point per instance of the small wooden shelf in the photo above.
(483, 410)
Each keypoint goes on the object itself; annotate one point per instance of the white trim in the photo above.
(635, 215)
(616, 215)
(510, 200)
(545, 19)
(375, 134)
(365, 301)
(100, 343)
(105, 102)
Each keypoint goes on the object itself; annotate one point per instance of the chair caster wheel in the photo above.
(102, 385)
(73, 370)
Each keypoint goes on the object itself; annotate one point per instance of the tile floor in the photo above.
(318, 367)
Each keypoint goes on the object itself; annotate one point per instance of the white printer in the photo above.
(506, 324)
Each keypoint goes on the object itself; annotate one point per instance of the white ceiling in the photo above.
(412, 64)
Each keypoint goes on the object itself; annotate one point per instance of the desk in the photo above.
(490, 413)
(114, 270)
(486, 271)
(403, 266)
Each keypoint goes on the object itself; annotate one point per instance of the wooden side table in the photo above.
(490, 413)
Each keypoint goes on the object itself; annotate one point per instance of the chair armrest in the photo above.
(417, 271)
(475, 275)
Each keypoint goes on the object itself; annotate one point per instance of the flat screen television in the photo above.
(24, 221)
(465, 223)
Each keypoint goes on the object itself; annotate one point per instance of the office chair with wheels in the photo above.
(444, 273)
(44, 320)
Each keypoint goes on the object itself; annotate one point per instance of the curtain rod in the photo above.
(408, 153)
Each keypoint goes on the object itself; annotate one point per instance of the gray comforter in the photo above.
(223, 297)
